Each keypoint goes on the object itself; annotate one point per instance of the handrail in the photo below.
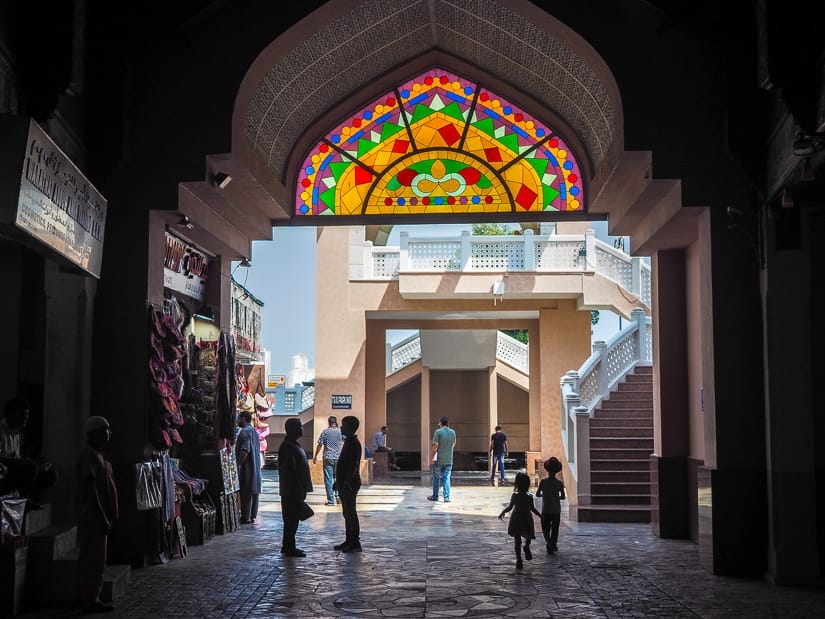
(584, 389)
(527, 252)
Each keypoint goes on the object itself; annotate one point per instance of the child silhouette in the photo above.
(521, 522)
(552, 492)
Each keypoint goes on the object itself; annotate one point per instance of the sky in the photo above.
(282, 275)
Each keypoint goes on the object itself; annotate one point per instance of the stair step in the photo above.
(634, 387)
(646, 379)
(624, 397)
(598, 477)
(620, 487)
(620, 499)
(621, 453)
(621, 432)
(116, 581)
(629, 412)
(51, 543)
(608, 464)
(620, 422)
(60, 574)
(611, 513)
(620, 442)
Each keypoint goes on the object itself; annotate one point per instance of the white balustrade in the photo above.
(512, 352)
(527, 252)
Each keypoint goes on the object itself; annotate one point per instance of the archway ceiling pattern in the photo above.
(439, 144)
(378, 36)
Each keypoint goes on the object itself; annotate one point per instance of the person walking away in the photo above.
(330, 441)
(441, 456)
(521, 524)
(498, 451)
(248, 458)
(379, 443)
(551, 490)
(348, 482)
(97, 511)
(294, 483)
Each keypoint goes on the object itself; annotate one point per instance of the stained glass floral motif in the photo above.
(439, 144)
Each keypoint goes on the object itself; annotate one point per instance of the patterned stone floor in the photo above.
(424, 559)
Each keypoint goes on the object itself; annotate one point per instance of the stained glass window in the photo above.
(439, 144)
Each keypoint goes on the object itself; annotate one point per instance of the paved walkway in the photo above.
(424, 559)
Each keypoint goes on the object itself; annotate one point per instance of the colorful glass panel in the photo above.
(439, 144)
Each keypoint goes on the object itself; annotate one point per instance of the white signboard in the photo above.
(185, 269)
(57, 204)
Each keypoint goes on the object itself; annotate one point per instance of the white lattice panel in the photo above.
(385, 264)
(615, 267)
(620, 357)
(497, 255)
(589, 387)
(649, 342)
(513, 353)
(646, 293)
(558, 255)
(434, 255)
(406, 353)
(307, 398)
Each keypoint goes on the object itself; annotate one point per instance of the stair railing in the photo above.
(583, 390)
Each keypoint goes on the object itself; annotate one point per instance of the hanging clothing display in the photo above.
(166, 382)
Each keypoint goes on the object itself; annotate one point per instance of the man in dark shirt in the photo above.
(97, 511)
(294, 483)
(348, 481)
(498, 451)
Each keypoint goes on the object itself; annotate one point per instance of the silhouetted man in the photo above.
(294, 483)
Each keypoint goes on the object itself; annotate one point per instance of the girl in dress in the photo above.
(521, 522)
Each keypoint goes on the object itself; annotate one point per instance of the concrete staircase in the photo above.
(621, 441)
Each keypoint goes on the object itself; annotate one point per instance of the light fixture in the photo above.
(220, 180)
(245, 263)
(498, 291)
(185, 223)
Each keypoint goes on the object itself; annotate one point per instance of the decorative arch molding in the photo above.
(349, 52)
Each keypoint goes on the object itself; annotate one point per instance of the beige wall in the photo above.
(403, 416)
(514, 414)
(564, 338)
(462, 397)
(340, 351)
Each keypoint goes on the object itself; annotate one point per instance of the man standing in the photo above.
(97, 511)
(248, 457)
(498, 451)
(294, 482)
(441, 456)
(379, 443)
(348, 483)
(330, 441)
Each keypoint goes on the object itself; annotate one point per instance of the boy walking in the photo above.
(552, 492)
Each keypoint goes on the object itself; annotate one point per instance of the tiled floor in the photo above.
(424, 559)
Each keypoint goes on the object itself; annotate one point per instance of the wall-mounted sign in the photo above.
(55, 202)
(342, 400)
(273, 381)
(185, 269)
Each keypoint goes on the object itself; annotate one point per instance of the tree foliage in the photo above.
(491, 230)
(517, 334)
(594, 317)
